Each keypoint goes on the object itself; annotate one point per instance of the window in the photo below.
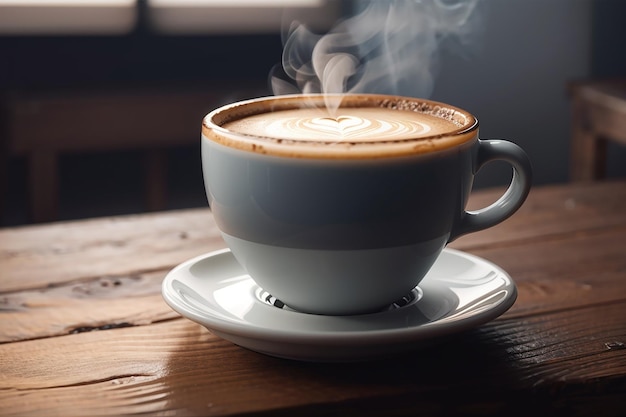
(238, 16)
(111, 17)
(63, 17)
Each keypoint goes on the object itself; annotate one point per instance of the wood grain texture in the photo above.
(43, 256)
(551, 211)
(178, 367)
(84, 330)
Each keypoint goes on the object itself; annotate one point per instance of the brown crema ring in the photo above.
(463, 128)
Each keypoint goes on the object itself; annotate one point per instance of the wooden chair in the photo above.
(43, 125)
(598, 116)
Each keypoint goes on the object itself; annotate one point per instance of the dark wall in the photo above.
(609, 38)
(141, 57)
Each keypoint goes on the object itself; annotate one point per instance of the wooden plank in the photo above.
(549, 211)
(41, 256)
(101, 303)
(179, 368)
(560, 274)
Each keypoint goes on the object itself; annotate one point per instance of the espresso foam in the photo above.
(354, 125)
(364, 126)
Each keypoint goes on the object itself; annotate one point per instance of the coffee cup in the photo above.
(343, 211)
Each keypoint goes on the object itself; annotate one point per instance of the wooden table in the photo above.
(85, 332)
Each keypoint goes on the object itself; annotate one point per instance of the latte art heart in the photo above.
(341, 125)
(355, 125)
(350, 127)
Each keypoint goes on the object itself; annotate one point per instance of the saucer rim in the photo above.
(433, 329)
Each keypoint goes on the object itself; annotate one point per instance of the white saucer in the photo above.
(460, 291)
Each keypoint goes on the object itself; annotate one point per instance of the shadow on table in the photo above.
(470, 373)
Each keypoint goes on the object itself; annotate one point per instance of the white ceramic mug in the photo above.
(348, 227)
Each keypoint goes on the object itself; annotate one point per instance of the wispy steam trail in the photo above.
(390, 47)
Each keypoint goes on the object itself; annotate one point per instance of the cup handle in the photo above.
(511, 200)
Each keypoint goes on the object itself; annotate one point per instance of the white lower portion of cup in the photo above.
(336, 282)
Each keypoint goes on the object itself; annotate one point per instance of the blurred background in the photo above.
(101, 101)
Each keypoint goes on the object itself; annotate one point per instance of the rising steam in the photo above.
(390, 47)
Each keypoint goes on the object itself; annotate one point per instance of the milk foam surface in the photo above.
(355, 125)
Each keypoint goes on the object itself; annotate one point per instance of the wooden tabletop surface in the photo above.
(84, 330)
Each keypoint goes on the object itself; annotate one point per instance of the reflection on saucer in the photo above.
(413, 296)
(460, 291)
